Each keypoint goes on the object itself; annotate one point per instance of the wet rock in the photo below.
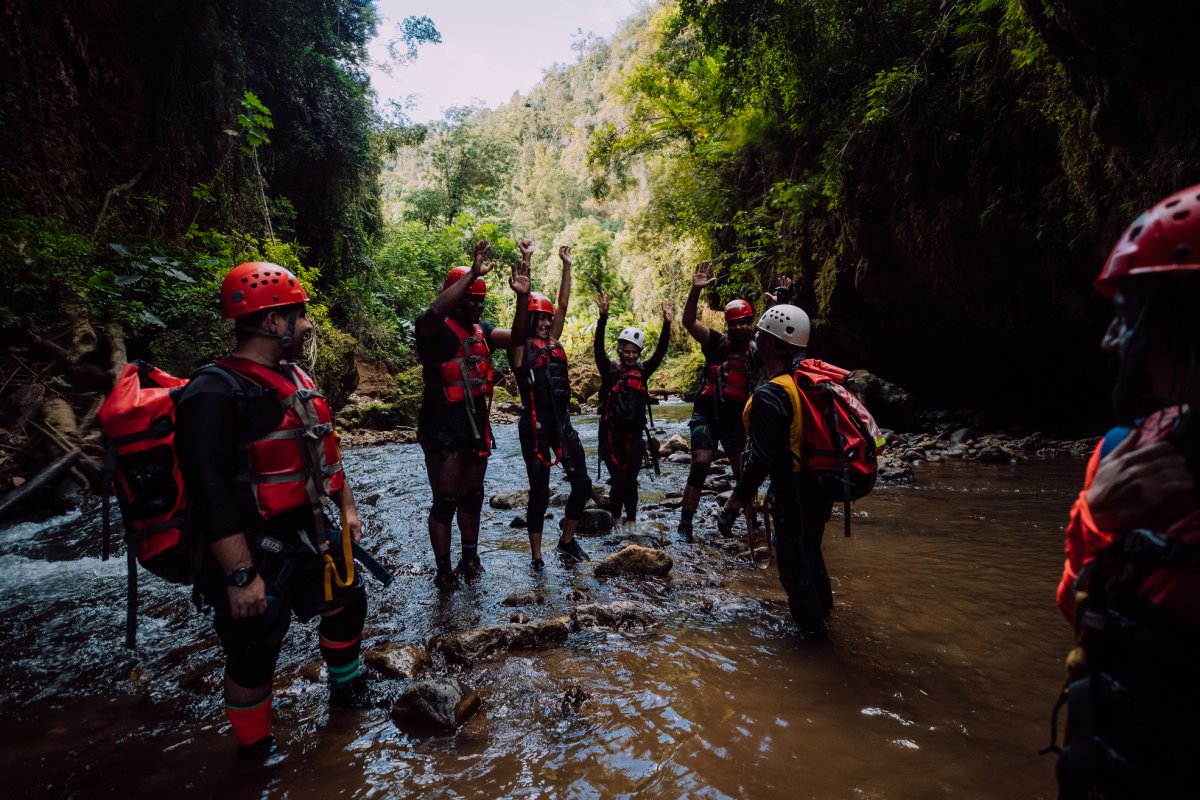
(558, 498)
(671, 495)
(573, 698)
(960, 436)
(398, 660)
(595, 522)
(717, 485)
(578, 596)
(892, 467)
(508, 408)
(478, 643)
(370, 499)
(676, 444)
(635, 560)
(518, 522)
(513, 498)
(679, 458)
(529, 597)
(600, 495)
(620, 615)
(439, 703)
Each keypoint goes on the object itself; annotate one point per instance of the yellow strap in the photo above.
(796, 433)
(331, 575)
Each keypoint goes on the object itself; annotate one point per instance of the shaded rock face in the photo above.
(635, 560)
(440, 704)
(585, 382)
(623, 614)
(891, 406)
(398, 660)
(479, 643)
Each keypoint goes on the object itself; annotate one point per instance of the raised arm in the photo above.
(664, 339)
(603, 364)
(564, 293)
(431, 319)
(507, 337)
(702, 278)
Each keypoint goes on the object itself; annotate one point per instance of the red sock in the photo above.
(251, 724)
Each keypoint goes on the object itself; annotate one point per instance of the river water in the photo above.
(937, 679)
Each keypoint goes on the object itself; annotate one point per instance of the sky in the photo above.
(489, 49)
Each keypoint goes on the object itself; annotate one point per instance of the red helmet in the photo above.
(453, 276)
(738, 309)
(256, 285)
(540, 304)
(1164, 239)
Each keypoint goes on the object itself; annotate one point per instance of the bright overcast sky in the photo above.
(489, 49)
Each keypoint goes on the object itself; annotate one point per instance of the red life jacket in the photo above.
(469, 373)
(624, 409)
(729, 380)
(298, 463)
(550, 381)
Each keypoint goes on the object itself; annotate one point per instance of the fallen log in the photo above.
(43, 478)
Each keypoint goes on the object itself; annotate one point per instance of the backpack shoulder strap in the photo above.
(1113, 439)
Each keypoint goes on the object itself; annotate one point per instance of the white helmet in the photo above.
(785, 322)
(635, 336)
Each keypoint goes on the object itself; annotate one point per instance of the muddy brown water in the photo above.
(937, 681)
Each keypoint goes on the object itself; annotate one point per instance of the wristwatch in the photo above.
(242, 576)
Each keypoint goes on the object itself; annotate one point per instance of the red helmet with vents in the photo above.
(256, 285)
(455, 275)
(1164, 239)
(738, 309)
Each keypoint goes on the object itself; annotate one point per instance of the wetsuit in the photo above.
(1134, 597)
(622, 446)
(800, 508)
(546, 432)
(213, 427)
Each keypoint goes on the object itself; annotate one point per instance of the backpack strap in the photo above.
(1113, 439)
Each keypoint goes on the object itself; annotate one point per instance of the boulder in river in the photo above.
(478, 643)
(585, 381)
(679, 458)
(528, 597)
(442, 704)
(398, 660)
(676, 444)
(635, 560)
(595, 521)
(513, 498)
(619, 615)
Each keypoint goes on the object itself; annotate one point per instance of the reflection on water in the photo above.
(937, 680)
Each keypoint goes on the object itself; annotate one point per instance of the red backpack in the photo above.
(840, 438)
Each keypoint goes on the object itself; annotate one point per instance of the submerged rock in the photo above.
(618, 615)
(439, 703)
(595, 521)
(679, 458)
(573, 698)
(635, 560)
(513, 498)
(529, 597)
(478, 643)
(398, 660)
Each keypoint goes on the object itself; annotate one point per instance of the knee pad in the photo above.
(472, 503)
(443, 508)
(347, 624)
(697, 474)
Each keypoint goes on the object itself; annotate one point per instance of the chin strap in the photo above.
(286, 340)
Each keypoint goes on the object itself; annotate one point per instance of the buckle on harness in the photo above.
(306, 394)
(320, 430)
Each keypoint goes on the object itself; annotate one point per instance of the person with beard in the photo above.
(725, 386)
(622, 405)
(454, 347)
(1131, 579)
(258, 455)
(547, 436)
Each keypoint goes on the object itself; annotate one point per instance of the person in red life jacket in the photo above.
(1131, 579)
(721, 396)
(258, 461)
(622, 405)
(455, 350)
(801, 506)
(547, 436)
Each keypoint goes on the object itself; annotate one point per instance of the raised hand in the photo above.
(564, 253)
(520, 282)
(526, 248)
(784, 283)
(482, 248)
(667, 314)
(703, 276)
(602, 302)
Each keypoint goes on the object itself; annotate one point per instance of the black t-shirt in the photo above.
(210, 424)
(432, 351)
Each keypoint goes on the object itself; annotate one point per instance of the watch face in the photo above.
(241, 577)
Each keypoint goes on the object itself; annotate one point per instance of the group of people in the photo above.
(259, 457)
